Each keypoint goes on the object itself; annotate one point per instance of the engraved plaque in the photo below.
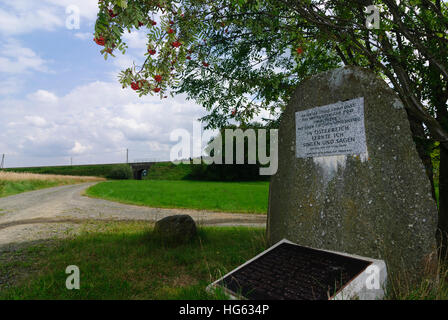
(334, 129)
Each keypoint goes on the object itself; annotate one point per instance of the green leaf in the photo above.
(123, 4)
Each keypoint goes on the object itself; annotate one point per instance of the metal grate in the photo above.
(292, 272)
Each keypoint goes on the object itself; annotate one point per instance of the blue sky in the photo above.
(59, 98)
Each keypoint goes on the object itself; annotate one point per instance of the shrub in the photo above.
(226, 172)
(121, 172)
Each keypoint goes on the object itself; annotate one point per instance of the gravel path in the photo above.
(47, 213)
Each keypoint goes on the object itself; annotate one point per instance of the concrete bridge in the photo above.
(140, 169)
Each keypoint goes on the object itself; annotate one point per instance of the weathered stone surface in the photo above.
(177, 228)
(377, 204)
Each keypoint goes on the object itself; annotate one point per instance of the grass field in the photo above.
(168, 171)
(12, 183)
(125, 261)
(244, 197)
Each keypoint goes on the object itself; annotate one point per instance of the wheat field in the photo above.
(19, 176)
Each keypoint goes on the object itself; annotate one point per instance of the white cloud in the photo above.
(134, 130)
(78, 148)
(15, 59)
(136, 39)
(123, 62)
(36, 121)
(26, 16)
(84, 35)
(94, 123)
(43, 96)
(87, 8)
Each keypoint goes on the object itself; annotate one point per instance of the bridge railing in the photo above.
(146, 160)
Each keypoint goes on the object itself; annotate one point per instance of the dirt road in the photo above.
(50, 212)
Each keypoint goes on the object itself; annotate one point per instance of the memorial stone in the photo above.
(349, 176)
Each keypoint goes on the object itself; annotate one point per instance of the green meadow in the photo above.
(242, 197)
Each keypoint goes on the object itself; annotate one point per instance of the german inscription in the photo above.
(334, 129)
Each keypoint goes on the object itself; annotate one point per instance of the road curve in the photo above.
(23, 214)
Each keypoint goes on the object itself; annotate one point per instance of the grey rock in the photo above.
(359, 204)
(177, 228)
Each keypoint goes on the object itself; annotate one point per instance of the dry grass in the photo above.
(16, 176)
(432, 283)
(12, 183)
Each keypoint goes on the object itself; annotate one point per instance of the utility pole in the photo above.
(127, 155)
(71, 161)
(2, 165)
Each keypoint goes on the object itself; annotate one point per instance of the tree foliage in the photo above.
(236, 58)
(239, 57)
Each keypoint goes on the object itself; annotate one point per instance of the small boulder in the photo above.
(176, 229)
